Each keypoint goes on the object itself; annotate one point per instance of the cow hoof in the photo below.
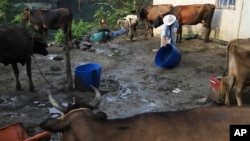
(18, 88)
(32, 89)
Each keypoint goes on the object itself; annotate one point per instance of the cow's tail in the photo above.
(70, 32)
(224, 86)
(69, 27)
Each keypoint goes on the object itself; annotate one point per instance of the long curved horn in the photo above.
(57, 105)
(97, 97)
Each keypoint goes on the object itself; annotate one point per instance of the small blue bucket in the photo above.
(86, 75)
(168, 56)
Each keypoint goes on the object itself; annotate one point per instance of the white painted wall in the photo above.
(244, 29)
(36, 5)
(227, 24)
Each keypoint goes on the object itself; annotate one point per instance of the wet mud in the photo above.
(130, 81)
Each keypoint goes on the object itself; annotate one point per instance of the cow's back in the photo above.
(194, 14)
(15, 44)
(206, 124)
(239, 45)
(239, 51)
(55, 19)
(151, 12)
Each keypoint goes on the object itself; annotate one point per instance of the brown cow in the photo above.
(191, 15)
(238, 65)
(44, 19)
(150, 13)
(201, 124)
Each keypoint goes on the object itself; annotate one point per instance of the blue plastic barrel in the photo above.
(86, 75)
(168, 56)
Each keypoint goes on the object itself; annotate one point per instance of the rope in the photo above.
(53, 87)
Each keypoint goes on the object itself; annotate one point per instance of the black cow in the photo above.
(17, 46)
(42, 20)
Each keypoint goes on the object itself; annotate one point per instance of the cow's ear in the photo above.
(54, 125)
(26, 9)
(101, 115)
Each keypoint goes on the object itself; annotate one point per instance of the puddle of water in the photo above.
(109, 85)
(125, 91)
(9, 101)
(39, 103)
(50, 57)
(104, 51)
(54, 113)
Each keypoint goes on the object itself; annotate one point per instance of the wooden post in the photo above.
(68, 66)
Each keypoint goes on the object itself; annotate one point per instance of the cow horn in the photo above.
(97, 96)
(57, 105)
(64, 109)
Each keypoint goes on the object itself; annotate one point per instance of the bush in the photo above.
(78, 30)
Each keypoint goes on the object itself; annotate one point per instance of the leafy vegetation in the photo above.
(110, 10)
(78, 29)
(8, 11)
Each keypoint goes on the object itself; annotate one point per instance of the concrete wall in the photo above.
(37, 5)
(227, 24)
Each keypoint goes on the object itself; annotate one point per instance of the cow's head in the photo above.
(78, 124)
(158, 21)
(39, 46)
(74, 122)
(123, 23)
(25, 16)
(142, 13)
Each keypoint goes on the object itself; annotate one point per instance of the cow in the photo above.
(44, 19)
(191, 15)
(17, 46)
(206, 124)
(150, 13)
(130, 23)
(238, 68)
(129, 20)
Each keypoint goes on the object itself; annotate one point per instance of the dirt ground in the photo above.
(136, 85)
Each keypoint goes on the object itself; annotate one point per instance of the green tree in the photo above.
(112, 10)
(78, 29)
(4, 9)
(10, 13)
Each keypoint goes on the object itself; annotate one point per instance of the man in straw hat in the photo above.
(170, 26)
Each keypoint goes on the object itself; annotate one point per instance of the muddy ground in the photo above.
(139, 85)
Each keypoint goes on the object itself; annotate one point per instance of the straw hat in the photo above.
(169, 19)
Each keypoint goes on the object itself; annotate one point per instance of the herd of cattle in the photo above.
(82, 123)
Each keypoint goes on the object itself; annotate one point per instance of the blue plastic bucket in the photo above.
(168, 56)
(86, 75)
(97, 37)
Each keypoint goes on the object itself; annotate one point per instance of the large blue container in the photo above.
(86, 75)
(168, 56)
